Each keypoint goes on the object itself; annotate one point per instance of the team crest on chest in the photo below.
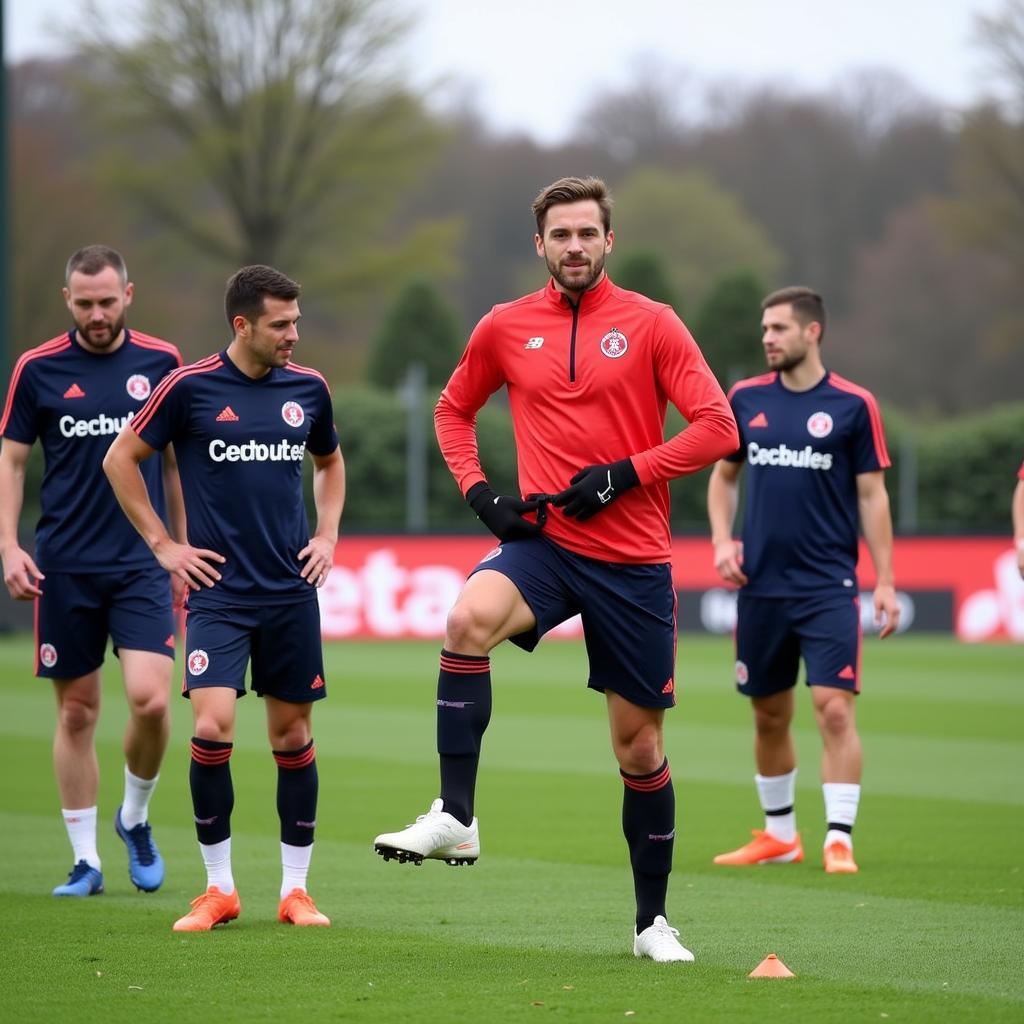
(292, 414)
(819, 424)
(137, 385)
(614, 344)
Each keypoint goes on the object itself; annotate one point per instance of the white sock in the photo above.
(135, 807)
(841, 800)
(776, 793)
(217, 858)
(81, 826)
(294, 867)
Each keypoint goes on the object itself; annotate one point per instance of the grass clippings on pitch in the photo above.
(930, 930)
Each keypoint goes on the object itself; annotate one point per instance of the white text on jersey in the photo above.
(256, 451)
(98, 426)
(796, 458)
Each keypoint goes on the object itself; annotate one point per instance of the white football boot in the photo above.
(660, 942)
(435, 835)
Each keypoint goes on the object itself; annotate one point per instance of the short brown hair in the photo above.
(808, 305)
(248, 287)
(91, 259)
(573, 190)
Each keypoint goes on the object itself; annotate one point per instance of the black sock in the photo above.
(297, 788)
(648, 823)
(463, 711)
(213, 796)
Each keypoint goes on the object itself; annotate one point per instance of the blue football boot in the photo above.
(145, 865)
(83, 880)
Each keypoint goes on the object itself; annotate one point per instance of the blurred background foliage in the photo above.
(210, 133)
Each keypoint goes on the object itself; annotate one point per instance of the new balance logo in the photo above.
(227, 415)
(760, 420)
(317, 682)
(534, 343)
(74, 392)
(847, 673)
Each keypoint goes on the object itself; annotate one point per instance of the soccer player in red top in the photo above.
(92, 577)
(815, 448)
(589, 369)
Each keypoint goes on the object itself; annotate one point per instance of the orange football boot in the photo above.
(213, 907)
(298, 908)
(763, 849)
(839, 859)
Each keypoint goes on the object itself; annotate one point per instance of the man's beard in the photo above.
(115, 330)
(790, 362)
(579, 284)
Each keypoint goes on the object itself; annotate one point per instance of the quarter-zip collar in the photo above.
(590, 299)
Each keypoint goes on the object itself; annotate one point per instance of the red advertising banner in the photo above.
(396, 587)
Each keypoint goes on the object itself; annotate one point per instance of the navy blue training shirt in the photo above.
(803, 451)
(240, 443)
(75, 401)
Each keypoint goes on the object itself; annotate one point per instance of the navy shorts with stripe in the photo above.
(774, 633)
(628, 613)
(282, 641)
(78, 611)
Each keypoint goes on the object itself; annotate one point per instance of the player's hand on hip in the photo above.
(594, 488)
(319, 558)
(729, 562)
(503, 514)
(195, 567)
(21, 575)
(887, 610)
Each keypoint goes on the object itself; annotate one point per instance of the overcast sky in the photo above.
(531, 65)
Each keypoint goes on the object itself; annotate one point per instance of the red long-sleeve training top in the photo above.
(589, 384)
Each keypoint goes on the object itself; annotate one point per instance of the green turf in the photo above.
(930, 930)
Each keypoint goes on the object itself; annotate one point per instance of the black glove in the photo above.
(502, 514)
(596, 487)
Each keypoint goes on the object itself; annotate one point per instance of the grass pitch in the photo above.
(932, 929)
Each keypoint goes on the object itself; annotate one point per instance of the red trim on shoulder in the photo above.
(874, 415)
(752, 382)
(150, 341)
(47, 348)
(160, 391)
(310, 372)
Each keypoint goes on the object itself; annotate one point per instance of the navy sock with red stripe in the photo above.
(298, 785)
(463, 711)
(213, 795)
(648, 823)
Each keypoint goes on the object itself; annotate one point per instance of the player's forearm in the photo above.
(174, 497)
(708, 438)
(876, 523)
(723, 500)
(12, 493)
(129, 488)
(456, 437)
(329, 497)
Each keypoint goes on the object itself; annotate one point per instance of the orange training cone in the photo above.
(771, 967)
